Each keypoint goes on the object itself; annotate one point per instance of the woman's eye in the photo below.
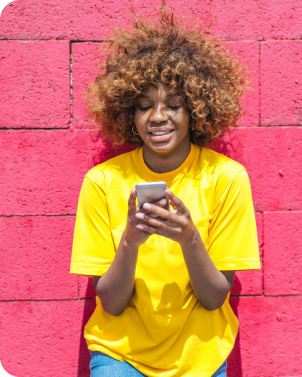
(174, 107)
(145, 108)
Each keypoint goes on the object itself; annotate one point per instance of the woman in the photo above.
(163, 283)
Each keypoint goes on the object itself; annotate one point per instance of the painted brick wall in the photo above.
(48, 55)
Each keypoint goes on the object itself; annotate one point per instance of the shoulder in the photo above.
(221, 167)
(218, 163)
(111, 168)
(224, 171)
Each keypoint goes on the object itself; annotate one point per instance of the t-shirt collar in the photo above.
(168, 176)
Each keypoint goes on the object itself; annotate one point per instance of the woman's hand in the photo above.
(134, 235)
(176, 225)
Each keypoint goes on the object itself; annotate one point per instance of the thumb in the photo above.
(132, 202)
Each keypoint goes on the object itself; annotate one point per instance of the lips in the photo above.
(160, 135)
(162, 129)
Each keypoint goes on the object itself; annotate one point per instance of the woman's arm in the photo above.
(115, 287)
(210, 285)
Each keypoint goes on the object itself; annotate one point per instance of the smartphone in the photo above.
(149, 192)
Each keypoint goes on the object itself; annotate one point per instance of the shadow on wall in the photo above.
(234, 360)
(229, 145)
(84, 355)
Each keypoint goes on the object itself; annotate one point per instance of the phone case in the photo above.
(149, 192)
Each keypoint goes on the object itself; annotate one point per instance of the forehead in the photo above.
(160, 90)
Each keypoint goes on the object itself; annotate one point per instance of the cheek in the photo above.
(184, 120)
(138, 118)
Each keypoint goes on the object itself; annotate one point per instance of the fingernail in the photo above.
(139, 216)
(162, 201)
(147, 206)
(168, 191)
(139, 226)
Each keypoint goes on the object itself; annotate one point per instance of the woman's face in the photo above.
(162, 120)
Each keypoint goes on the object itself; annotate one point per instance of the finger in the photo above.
(132, 202)
(159, 222)
(149, 229)
(160, 203)
(173, 205)
(161, 212)
(176, 202)
(163, 203)
(141, 228)
(150, 220)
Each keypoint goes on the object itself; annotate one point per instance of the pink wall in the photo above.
(47, 52)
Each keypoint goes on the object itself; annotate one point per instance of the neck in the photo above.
(165, 162)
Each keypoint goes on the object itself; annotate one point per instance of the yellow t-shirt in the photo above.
(165, 331)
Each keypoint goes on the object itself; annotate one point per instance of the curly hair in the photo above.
(187, 60)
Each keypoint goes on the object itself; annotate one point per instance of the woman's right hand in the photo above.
(135, 236)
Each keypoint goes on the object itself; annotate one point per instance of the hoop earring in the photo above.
(134, 132)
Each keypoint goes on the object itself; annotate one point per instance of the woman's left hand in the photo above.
(176, 225)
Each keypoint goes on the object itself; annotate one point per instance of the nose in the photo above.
(158, 115)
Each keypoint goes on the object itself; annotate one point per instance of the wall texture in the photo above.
(47, 56)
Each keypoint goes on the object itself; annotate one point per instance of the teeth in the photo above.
(160, 133)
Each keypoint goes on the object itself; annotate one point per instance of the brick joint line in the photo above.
(70, 86)
(105, 40)
(33, 128)
(259, 84)
(92, 298)
(45, 215)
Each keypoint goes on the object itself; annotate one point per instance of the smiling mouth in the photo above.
(161, 133)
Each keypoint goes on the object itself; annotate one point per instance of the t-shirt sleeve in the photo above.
(93, 248)
(233, 242)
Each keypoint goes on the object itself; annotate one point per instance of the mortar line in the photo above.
(288, 210)
(74, 214)
(51, 299)
(56, 39)
(33, 128)
(259, 84)
(72, 41)
(70, 85)
(93, 298)
(278, 125)
(246, 295)
(66, 215)
(105, 40)
(87, 129)
(277, 295)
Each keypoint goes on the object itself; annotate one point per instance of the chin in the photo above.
(161, 147)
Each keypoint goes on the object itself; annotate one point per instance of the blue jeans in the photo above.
(102, 365)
